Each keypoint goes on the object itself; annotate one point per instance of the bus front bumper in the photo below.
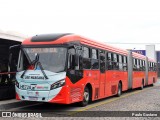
(57, 95)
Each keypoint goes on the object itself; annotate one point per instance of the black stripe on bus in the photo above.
(48, 37)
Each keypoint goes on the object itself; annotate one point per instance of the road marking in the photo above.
(105, 102)
(14, 109)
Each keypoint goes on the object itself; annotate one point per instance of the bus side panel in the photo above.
(152, 77)
(125, 81)
(102, 85)
(149, 77)
(76, 89)
(138, 76)
(61, 97)
(108, 83)
(71, 92)
(156, 76)
(112, 79)
(95, 82)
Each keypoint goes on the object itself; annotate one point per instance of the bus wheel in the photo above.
(86, 97)
(119, 93)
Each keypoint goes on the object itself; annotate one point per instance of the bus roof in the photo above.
(68, 38)
(63, 38)
(136, 55)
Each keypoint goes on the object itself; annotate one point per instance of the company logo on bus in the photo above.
(34, 77)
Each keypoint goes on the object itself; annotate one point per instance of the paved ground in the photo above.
(147, 99)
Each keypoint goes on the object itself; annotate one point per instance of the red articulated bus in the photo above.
(67, 68)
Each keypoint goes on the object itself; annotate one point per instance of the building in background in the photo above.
(8, 39)
(151, 53)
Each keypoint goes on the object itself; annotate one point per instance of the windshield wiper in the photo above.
(42, 70)
(36, 63)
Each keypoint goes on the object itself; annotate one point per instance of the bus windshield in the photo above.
(51, 59)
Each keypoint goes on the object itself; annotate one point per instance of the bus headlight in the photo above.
(16, 83)
(58, 84)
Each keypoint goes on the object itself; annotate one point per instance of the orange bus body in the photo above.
(101, 85)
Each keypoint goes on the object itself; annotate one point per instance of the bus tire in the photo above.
(119, 92)
(86, 96)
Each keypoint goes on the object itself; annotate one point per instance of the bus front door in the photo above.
(102, 75)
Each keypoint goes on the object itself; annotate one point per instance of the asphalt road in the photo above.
(142, 101)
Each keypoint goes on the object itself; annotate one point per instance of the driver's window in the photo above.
(22, 62)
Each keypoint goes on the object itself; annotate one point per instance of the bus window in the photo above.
(86, 58)
(114, 57)
(124, 61)
(120, 63)
(138, 65)
(149, 66)
(85, 52)
(94, 54)
(109, 63)
(23, 62)
(94, 60)
(143, 65)
(115, 62)
(153, 66)
(135, 64)
(102, 61)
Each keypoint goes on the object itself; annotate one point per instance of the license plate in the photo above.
(25, 87)
(33, 98)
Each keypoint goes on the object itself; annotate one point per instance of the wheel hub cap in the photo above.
(86, 96)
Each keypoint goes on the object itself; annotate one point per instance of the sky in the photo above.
(108, 21)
